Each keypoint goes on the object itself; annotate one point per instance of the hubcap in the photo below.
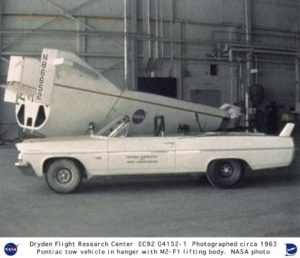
(63, 175)
(226, 170)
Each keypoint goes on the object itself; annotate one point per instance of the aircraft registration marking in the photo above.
(40, 87)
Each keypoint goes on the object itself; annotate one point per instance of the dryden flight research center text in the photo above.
(140, 247)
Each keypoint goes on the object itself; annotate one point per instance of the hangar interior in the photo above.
(203, 51)
(209, 51)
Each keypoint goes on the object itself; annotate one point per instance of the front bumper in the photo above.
(25, 168)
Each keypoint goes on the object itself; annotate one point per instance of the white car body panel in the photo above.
(154, 155)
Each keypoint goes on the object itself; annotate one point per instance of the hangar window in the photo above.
(163, 86)
(213, 69)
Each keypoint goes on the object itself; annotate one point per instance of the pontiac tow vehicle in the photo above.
(65, 161)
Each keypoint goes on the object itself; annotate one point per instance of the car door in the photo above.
(140, 155)
(189, 154)
(93, 154)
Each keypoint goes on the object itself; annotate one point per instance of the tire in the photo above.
(225, 173)
(63, 176)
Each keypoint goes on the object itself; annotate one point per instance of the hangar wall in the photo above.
(184, 39)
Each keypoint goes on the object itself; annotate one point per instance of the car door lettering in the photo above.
(141, 159)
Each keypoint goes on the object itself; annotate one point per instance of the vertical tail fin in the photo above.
(287, 130)
(46, 77)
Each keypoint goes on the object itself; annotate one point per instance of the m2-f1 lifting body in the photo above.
(60, 94)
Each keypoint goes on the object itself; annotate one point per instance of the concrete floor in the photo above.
(267, 204)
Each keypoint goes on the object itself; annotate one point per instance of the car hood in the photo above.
(57, 139)
(58, 144)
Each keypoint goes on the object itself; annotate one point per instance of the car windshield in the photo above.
(117, 128)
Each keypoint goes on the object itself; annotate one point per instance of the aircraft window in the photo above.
(21, 114)
(41, 117)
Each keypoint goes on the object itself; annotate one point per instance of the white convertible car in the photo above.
(66, 160)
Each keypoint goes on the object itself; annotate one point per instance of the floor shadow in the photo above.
(271, 178)
(144, 183)
(253, 179)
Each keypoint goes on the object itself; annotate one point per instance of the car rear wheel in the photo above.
(225, 173)
(63, 176)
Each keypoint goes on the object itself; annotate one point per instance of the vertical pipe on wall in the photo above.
(248, 29)
(248, 20)
(297, 97)
(125, 45)
(296, 35)
(156, 31)
(78, 38)
(146, 30)
(132, 54)
(241, 96)
(181, 63)
(183, 52)
(161, 29)
(148, 14)
(81, 40)
(171, 37)
(232, 98)
(247, 110)
(256, 67)
(297, 75)
(1, 9)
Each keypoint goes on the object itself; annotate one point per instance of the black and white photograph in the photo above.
(137, 119)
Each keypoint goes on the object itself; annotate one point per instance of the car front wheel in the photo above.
(63, 176)
(225, 173)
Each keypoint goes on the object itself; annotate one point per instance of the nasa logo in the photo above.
(291, 249)
(138, 116)
(10, 249)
